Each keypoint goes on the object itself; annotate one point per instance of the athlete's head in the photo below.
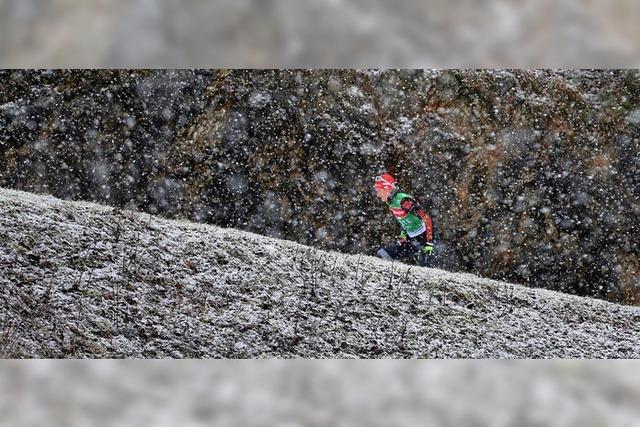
(384, 185)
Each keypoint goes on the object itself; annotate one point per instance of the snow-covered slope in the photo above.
(85, 280)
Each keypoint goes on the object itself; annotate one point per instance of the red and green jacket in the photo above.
(413, 220)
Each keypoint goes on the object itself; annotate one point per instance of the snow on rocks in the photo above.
(85, 280)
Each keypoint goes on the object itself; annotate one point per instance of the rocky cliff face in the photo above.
(85, 280)
(528, 174)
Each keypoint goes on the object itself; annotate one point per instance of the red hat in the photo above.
(385, 182)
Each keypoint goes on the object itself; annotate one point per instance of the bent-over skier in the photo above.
(416, 237)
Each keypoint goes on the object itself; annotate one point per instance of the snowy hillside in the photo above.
(85, 280)
(527, 174)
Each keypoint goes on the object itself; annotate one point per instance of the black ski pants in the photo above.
(408, 248)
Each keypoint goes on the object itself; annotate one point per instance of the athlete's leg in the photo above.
(396, 251)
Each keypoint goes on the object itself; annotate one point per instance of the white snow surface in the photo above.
(84, 280)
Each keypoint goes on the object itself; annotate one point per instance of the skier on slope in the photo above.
(416, 237)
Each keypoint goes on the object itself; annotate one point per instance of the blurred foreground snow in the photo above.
(320, 393)
(257, 33)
